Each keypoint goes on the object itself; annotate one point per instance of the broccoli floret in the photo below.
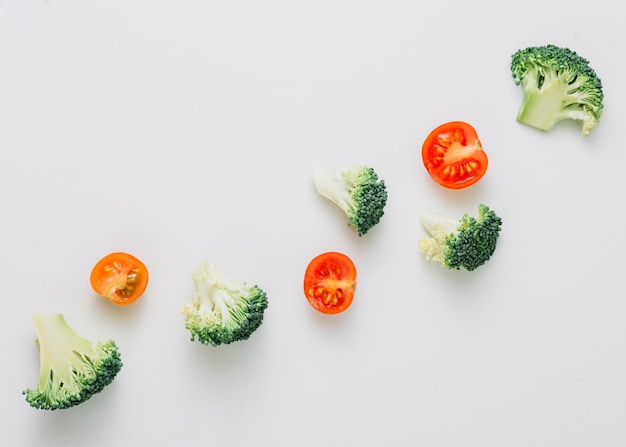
(223, 310)
(72, 369)
(358, 192)
(558, 84)
(468, 242)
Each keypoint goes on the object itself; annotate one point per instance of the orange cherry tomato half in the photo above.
(120, 277)
(330, 282)
(453, 156)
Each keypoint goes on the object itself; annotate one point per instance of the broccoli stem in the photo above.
(334, 188)
(57, 340)
(542, 108)
(437, 225)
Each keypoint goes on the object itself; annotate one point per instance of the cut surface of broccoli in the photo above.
(72, 368)
(223, 310)
(558, 84)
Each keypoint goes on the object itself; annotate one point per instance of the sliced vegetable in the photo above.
(330, 282)
(453, 155)
(120, 277)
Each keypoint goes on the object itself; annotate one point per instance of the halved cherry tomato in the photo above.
(453, 156)
(330, 282)
(120, 277)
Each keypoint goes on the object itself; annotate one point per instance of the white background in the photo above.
(187, 130)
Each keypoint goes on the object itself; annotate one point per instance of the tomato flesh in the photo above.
(453, 155)
(330, 282)
(120, 277)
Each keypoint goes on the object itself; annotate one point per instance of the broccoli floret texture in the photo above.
(465, 243)
(558, 84)
(358, 191)
(72, 369)
(223, 310)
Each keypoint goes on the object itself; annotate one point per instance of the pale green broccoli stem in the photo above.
(544, 107)
(216, 294)
(58, 342)
(334, 188)
(440, 227)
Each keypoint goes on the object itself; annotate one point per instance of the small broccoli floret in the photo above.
(223, 310)
(358, 192)
(558, 84)
(465, 243)
(72, 369)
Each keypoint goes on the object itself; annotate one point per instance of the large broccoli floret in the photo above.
(465, 243)
(558, 84)
(358, 192)
(72, 369)
(223, 310)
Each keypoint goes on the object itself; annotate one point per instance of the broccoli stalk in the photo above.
(358, 192)
(223, 310)
(72, 369)
(558, 84)
(465, 243)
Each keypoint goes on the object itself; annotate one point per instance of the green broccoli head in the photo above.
(358, 192)
(558, 84)
(72, 369)
(223, 310)
(466, 243)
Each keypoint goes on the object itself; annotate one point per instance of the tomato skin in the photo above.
(330, 282)
(453, 155)
(119, 277)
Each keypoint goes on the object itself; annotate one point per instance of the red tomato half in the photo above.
(453, 156)
(120, 277)
(329, 282)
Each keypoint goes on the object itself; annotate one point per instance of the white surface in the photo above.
(184, 131)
